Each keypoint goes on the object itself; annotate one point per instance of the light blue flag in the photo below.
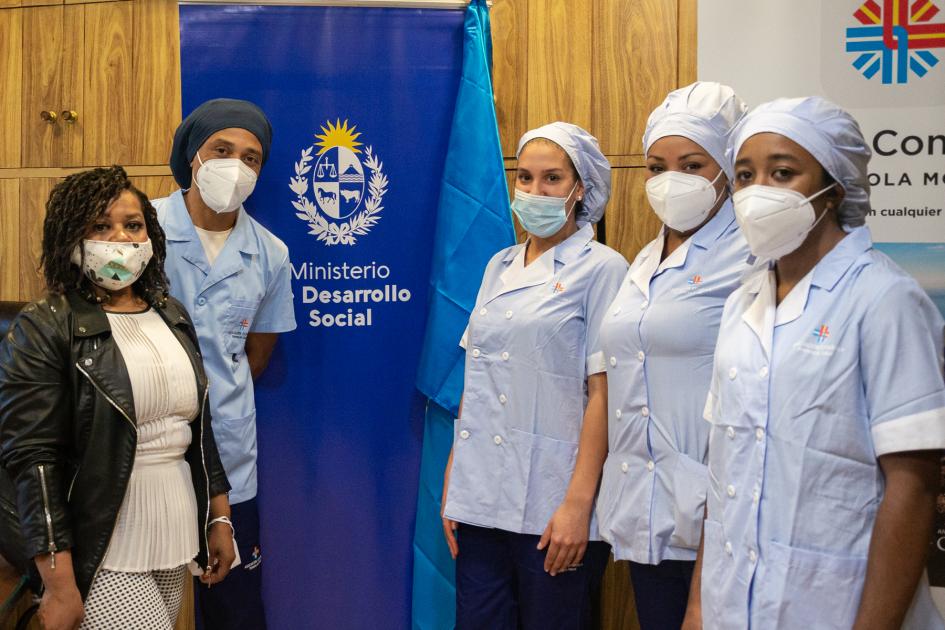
(473, 223)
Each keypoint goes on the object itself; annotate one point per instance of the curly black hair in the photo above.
(73, 206)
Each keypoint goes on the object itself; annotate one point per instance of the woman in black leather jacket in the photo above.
(104, 422)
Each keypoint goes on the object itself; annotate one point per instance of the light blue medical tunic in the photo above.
(805, 397)
(248, 289)
(530, 345)
(659, 337)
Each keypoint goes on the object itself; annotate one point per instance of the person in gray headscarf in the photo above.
(522, 478)
(827, 403)
(662, 333)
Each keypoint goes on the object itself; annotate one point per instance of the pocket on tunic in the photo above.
(237, 323)
(550, 466)
(802, 588)
(690, 484)
(608, 500)
(236, 443)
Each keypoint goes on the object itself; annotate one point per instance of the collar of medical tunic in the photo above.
(804, 397)
(223, 300)
(659, 338)
(529, 340)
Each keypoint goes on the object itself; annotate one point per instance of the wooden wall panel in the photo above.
(630, 222)
(509, 20)
(155, 187)
(559, 62)
(42, 84)
(11, 78)
(618, 606)
(33, 195)
(10, 248)
(635, 67)
(688, 42)
(109, 96)
(156, 74)
(185, 619)
(73, 86)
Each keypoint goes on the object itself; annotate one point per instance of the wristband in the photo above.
(222, 519)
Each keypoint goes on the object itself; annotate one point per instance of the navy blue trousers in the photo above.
(661, 592)
(501, 584)
(236, 602)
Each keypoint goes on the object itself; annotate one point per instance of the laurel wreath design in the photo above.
(346, 232)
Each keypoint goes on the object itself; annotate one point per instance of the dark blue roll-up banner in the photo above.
(361, 101)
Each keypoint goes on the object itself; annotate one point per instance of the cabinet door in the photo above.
(635, 53)
(155, 186)
(52, 42)
(34, 192)
(509, 20)
(559, 62)
(11, 83)
(42, 85)
(108, 100)
(631, 223)
(10, 248)
(156, 80)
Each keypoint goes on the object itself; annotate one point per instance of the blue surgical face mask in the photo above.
(541, 215)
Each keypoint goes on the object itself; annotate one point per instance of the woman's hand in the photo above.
(692, 620)
(220, 546)
(566, 537)
(221, 553)
(61, 609)
(449, 525)
(449, 530)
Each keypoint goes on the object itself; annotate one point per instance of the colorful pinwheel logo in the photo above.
(896, 39)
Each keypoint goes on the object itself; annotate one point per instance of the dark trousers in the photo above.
(236, 602)
(501, 584)
(661, 592)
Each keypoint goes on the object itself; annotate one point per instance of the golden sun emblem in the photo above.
(338, 135)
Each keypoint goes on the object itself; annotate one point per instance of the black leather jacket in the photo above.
(68, 432)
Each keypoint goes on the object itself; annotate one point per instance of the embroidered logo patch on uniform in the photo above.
(558, 287)
(254, 560)
(820, 347)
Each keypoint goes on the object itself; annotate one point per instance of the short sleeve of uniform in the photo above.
(901, 362)
(276, 312)
(601, 293)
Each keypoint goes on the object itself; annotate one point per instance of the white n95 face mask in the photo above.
(224, 183)
(775, 221)
(682, 200)
(112, 265)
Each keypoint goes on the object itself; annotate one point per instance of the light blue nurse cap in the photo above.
(704, 112)
(828, 133)
(589, 162)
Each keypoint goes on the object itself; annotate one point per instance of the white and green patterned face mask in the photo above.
(112, 265)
